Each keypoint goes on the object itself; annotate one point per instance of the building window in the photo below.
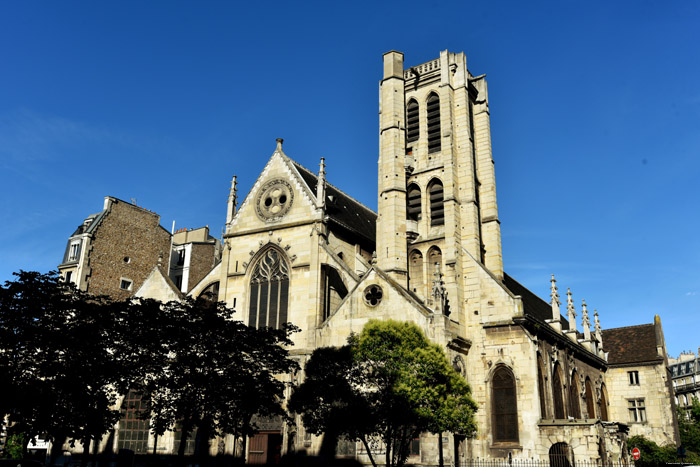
(125, 284)
(636, 410)
(633, 377)
(412, 121)
(415, 273)
(574, 406)
(413, 204)
(541, 387)
(181, 257)
(133, 428)
(437, 208)
(269, 291)
(558, 392)
(433, 108)
(373, 295)
(178, 281)
(603, 403)
(504, 414)
(590, 404)
(74, 251)
(69, 275)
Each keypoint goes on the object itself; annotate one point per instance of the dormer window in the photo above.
(74, 251)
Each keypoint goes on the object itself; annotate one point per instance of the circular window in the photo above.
(373, 295)
(127, 259)
(274, 200)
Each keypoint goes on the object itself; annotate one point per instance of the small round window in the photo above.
(274, 200)
(373, 295)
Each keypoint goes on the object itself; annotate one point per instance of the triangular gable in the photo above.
(279, 166)
(159, 286)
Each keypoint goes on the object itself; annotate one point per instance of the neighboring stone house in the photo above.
(299, 249)
(112, 252)
(639, 383)
(685, 375)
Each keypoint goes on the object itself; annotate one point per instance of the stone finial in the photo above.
(570, 310)
(279, 144)
(598, 329)
(586, 321)
(555, 299)
(232, 200)
(321, 185)
(439, 293)
(374, 258)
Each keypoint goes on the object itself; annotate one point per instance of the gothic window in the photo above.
(504, 414)
(603, 403)
(434, 265)
(133, 430)
(590, 404)
(437, 208)
(541, 386)
(558, 393)
(333, 290)
(415, 273)
(574, 406)
(412, 122)
(433, 108)
(413, 205)
(269, 291)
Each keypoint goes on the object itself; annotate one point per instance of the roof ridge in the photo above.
(333, 186)
(628, 327)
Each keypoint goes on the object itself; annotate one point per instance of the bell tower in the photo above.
(437, 186)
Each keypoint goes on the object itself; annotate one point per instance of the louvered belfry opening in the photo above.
(433, 123)
(437, 207)
(413, 207)
(412, 122)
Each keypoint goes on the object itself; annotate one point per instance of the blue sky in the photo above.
(595, 118)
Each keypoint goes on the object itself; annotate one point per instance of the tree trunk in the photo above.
(86, 452)
(442, 461)
(387, 449)
(56, 449)
(369, 451)
(183, 442)
(155, 443)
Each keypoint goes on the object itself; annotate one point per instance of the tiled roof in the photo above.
(342, 209)
(534, 305)
(631, 344)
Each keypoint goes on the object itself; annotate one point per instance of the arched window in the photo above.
(603, 403)
(437, 207)
(412, 121)
(434, 265)
(541, 386)
(269, 291)
(590, 403)
(211, 292)
(433, 123)
(415, 273)
(574, 406)
(558, 393)
(413, 206)
(504, 416)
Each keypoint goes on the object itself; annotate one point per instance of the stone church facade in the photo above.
(299, 249)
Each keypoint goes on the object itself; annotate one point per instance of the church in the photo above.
(298, 249)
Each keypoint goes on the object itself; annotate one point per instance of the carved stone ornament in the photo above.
(274, 200)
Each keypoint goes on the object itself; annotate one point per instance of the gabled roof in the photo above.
(631, 344)
(341, 209)
(533, 305)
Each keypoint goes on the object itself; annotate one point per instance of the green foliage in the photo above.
(14, 446)
(390, 383)
(689, 427)
(652, 454)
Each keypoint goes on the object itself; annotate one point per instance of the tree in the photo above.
(57, 362)
(214, 373)
(390, 383)
(689, 426)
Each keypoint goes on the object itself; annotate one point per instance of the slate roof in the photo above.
(534, 306)
(342, 209)
(631, 344)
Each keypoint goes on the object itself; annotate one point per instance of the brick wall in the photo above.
(127, 245)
